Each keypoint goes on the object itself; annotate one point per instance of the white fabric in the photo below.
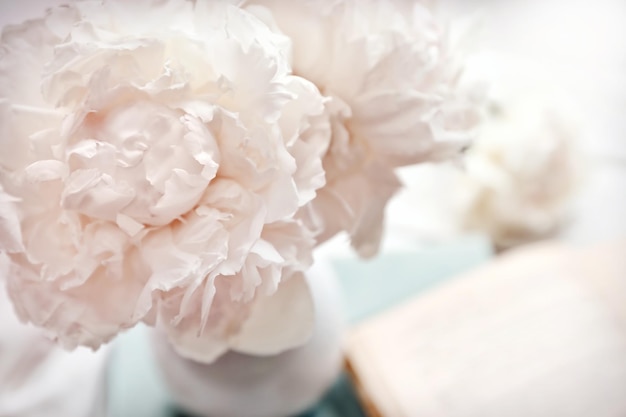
(40, 379)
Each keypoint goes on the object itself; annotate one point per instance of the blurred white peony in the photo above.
(391, 84)
(153, 155)
(521, 172)
(518, 177)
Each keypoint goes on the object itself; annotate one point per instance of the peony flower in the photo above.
(386, 68)
(153, 156)
(519, 175)
(521, 172)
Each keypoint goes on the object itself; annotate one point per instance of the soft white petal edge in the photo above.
(279, 322)
(10, 232)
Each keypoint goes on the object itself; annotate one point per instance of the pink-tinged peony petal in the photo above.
(10, 231)
(42, 171)
(306, 136)
(95, 194)
(128, 224)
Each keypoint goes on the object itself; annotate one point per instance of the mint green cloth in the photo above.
(137, 390)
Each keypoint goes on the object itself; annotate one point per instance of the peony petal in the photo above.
(10, 231)
(182, 192)
(43, 171)
(204, 350)
(128, 224)
(278, 322)
(95, 194)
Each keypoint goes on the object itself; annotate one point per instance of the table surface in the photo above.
(135, 385)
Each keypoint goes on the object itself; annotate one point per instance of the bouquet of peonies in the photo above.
(177, 162)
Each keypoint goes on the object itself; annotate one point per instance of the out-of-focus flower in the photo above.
(153, 155)
(393, 100)
(519, 175)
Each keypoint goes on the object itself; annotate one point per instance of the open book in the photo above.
(538, 332)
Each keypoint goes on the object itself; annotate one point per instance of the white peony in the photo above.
(153, 155)
(519, 176)
(521, 172)
(386, 69)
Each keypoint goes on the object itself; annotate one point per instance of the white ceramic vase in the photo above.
(283, 385)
